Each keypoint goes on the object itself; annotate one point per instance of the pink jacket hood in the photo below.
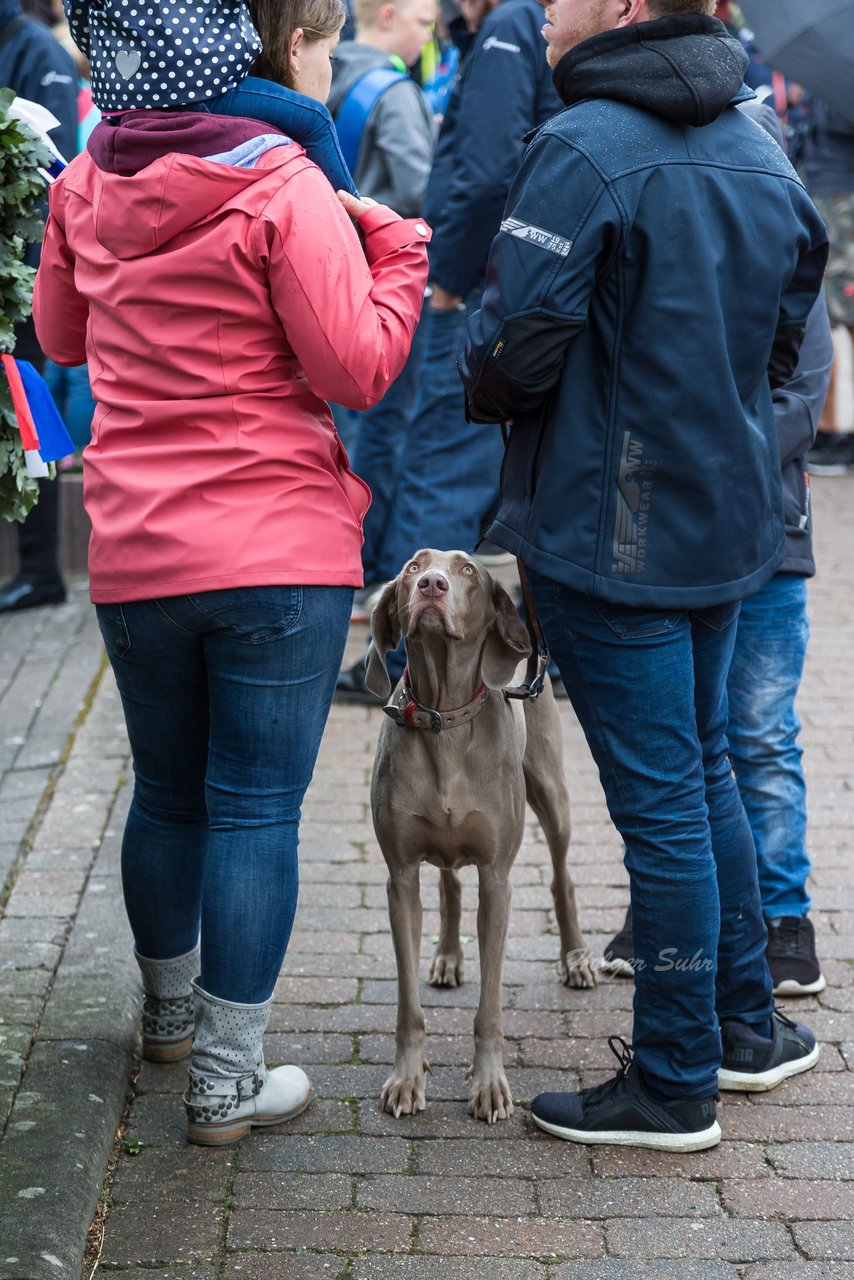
(151, 178)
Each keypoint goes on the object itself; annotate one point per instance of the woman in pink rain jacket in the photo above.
(210, 276)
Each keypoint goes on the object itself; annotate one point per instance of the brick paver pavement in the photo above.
(347, 1193)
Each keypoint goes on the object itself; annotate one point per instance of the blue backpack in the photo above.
(356, 107)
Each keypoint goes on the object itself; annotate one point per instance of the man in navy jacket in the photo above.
(650, 284)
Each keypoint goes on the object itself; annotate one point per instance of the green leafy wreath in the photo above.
(22, 196)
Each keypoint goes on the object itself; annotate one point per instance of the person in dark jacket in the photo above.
(655, 268)
(828, 169)
(765, 675)
(36, 67)
(448, 475)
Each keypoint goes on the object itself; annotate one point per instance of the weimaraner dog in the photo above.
(455, 762)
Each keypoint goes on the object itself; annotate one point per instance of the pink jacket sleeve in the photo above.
(348, 315)
(59, 312)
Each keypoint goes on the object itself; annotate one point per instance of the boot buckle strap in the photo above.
(248, 1087)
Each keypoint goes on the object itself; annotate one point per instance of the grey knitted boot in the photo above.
(230, 1088)
(167, 1010)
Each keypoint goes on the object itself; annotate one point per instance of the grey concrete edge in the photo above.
(63, 1122)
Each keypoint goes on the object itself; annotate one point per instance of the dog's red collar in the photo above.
(408, 713)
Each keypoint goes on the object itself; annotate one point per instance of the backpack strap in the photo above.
(356, 107)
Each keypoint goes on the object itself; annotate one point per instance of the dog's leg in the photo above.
(547, 794)
(403, 1092)
(489, 1092)
(447, 967)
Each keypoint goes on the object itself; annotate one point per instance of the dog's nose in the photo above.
(433, 584)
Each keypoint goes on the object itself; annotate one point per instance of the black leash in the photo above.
(538, 662)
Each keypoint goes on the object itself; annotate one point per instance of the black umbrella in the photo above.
(810, 41)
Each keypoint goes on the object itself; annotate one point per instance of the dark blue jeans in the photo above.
(649, 689)
(225, 695)
(449, 471)
(378, 452)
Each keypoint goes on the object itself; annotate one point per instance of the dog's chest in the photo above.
(452, 819)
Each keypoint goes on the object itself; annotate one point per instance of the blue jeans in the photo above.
(449, 471)
(649, 689)
(764, 676)
(72, 396)
(306, 121)
(225, 696)
(378, 452)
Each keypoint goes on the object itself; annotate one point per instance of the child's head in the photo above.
(298, 37)
(401, 27)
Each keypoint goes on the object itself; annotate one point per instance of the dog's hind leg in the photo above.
(547, 794)
(403, 1091)
(447, 967)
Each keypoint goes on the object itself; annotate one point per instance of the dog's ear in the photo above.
(385, 635)
(507, 642)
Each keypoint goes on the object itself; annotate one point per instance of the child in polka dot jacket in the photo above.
(197, 56)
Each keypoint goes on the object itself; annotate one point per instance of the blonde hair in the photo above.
(277, 20)
(365, 11)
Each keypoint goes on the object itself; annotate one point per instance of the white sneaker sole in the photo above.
(617, 968)
(677, 1142)
(762, 1081)
(792, 988)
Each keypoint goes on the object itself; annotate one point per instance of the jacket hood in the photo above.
(352, 60)
(162, 53)
(150, 180)
(685, 68)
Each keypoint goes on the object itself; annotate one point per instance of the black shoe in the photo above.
(754, 1064)
(364, 600)
(350, 686)
(619, 956)
(623, 1113)
(831, 455)
(20, 593)
(791, 957)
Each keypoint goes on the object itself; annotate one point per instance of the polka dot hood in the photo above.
(163, 54)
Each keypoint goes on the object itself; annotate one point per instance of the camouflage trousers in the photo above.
(838, 214)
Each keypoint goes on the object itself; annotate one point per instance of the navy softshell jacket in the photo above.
(657, 254)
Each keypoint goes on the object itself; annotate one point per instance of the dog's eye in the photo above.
(413, 567)
(468, 568)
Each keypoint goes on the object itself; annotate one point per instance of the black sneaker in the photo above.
(623, 1113)
(754, 1064)
(22, 593)
(831, 455)
(619, 956)
(791, 957)
(350, 686)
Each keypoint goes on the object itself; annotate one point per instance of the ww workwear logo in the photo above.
(634, 485)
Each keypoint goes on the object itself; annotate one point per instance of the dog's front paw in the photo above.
(490, 1100)
(446, 970)
(403, 1095)
(577, 969)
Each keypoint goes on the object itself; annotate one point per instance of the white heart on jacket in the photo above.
(127, 62)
